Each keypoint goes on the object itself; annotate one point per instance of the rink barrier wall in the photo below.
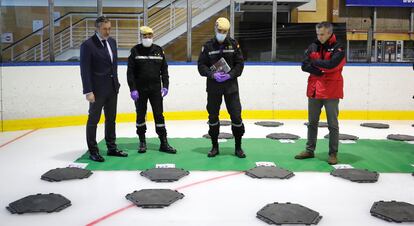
(50, 122)
(43, 95)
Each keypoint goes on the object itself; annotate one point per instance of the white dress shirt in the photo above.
(107, 44)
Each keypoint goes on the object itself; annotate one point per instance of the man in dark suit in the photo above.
(99, 72)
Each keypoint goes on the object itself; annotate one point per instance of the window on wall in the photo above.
(292, 38)
(408, 51)
(254, 32)
(23, 30)
(357, 51)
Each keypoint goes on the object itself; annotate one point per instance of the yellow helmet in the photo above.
(146, 30)
(223, 23)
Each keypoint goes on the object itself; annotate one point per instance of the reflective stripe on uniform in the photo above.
(212, 124)
(237, 125)
(140, 124)
(214, 52)
(159, 125)
(149, 57)
(218, 51)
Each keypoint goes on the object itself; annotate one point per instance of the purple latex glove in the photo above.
(134, 95)
(164, 92)
(217, 75)
(223, 78)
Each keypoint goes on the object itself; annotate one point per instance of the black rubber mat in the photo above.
(39, 203)
(356, 175)
(282, 136)
(344, 137)
(375, 125)
(320, 124)
(269, 172)
(68, 173)
(393, 211)
(269, 124)
(288, 213)
(221, 136)
(154, 198)
(164, 174)
(400, 137)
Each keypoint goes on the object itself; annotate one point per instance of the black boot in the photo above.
(165, 147)
(215, 149)
(240, 153)
(142, 147)
(238, 150)
(142, 144)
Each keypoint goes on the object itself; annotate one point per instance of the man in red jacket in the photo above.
(324, 60)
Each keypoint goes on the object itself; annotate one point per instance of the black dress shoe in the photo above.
(117, 153)
(95, 156)
(240, 153)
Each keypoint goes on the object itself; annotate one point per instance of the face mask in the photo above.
(220, 37)
(147, 42)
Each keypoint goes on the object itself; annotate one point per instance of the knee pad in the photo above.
(141, 128)
(237, 129)
(160, 130)
(214, 131)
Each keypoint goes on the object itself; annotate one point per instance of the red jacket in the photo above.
(324, 62)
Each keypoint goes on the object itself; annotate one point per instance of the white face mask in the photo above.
(147, 42)
(220, 37)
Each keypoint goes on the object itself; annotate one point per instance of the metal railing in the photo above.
(68, 38)
(174, 14)
(125, 29)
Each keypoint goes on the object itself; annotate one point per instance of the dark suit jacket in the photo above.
(99, 74)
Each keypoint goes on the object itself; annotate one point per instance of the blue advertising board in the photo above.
(381, 3)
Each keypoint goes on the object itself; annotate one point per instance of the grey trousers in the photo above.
(314, 112)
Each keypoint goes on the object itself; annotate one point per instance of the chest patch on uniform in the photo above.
(214, 52)
(148, 57)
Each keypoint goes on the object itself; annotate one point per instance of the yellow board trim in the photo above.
(37, 123)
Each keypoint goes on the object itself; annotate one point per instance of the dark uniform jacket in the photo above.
(211, 52)
(147, 69)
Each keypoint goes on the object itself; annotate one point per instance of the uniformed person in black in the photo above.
(148, 80)
(221, 83)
